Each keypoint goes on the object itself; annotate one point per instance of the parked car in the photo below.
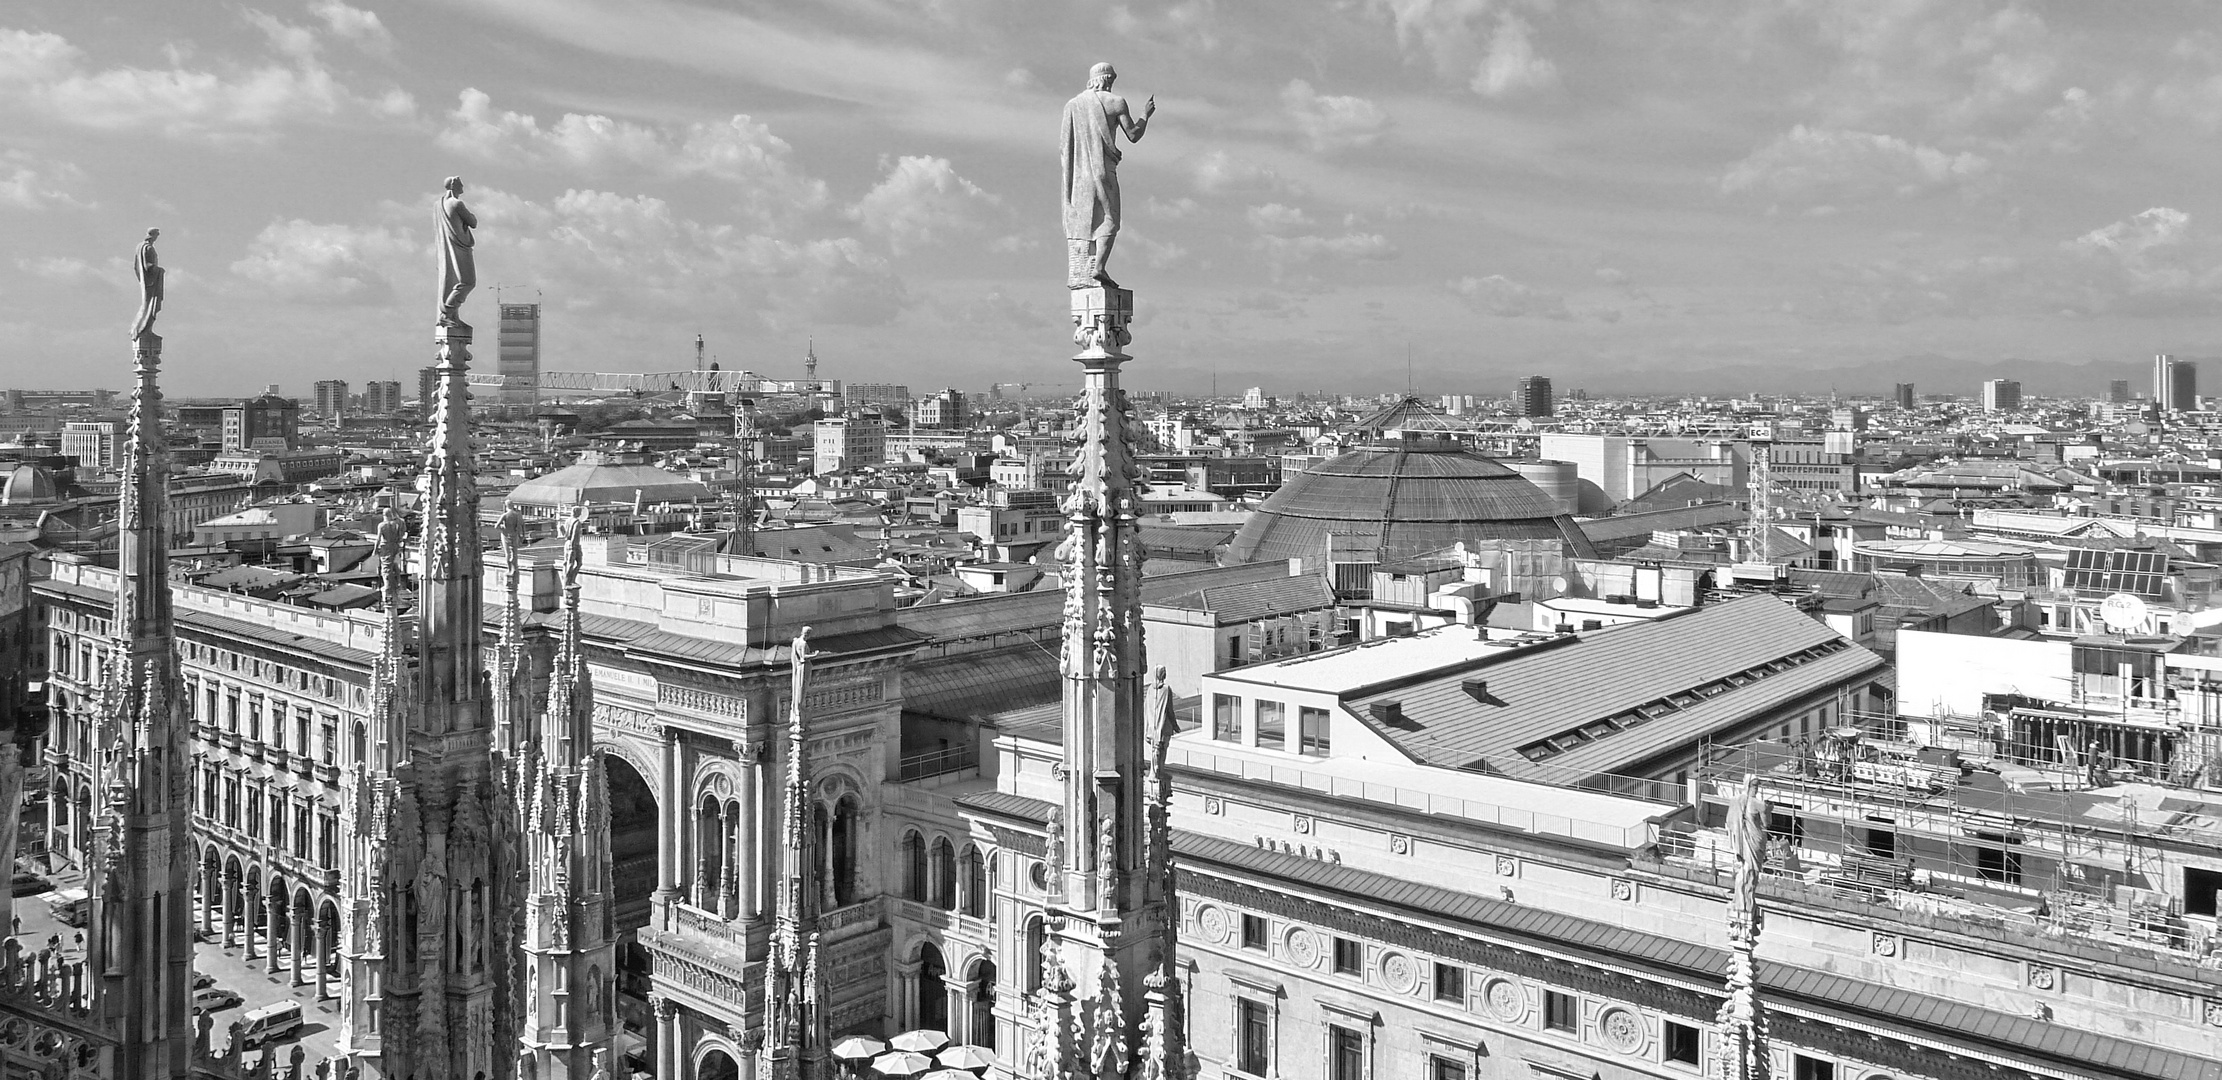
(26, 883)
(270, 1023)
(203, 980)
(210, 999)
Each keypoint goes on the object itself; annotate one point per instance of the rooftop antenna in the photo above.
(810, 361)
(698, 352)
(1407, 369)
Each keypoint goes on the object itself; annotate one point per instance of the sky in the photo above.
(1340, 195)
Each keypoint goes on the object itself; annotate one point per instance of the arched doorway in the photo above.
(717, 1065)
(980, 990)
(933, 989)
(633, 842)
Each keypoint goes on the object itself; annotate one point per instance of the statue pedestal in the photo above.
(454, 340)
(1099, 319)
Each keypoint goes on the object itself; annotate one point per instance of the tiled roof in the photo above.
(1258, 599)
(972, 683)
(1629, 526)
(1017, 807)
(1583, 696)
(2018, 1036)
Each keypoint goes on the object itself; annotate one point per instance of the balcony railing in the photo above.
(942, 762)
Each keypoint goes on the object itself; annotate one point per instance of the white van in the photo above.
(69, 906)
(270, 1023)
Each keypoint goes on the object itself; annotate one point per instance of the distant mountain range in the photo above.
(1930, 374)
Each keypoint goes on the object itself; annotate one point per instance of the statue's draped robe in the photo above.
(148, 269)
(1091, 159)
(456, 269)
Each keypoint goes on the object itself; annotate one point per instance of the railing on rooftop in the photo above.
(1427, 802)
(942, 762)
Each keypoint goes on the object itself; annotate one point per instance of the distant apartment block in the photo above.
(2175, 384)
(849, 442)
(874, 397)
(19, 400)
(943, 410)
(428, 389)
(2117, 392)
(518, 362)
(331, 397)
(1615, 468)
(268, 422)
(381, 398)
(95, 445)
(1533, 397)
(1902, 395)
(2001, 395)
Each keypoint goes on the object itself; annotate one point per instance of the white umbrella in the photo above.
(902, 1063)
(921, 1040)
(968, 1057)
(858, 1048)
(948, 1074)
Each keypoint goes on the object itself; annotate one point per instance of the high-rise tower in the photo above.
(430, 867)
(139, 952)
(568, 1020)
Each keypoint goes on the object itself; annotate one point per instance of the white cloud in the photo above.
(739, 150)
(1363, 246)
(27, 183)
(1277, 218)
(65, 270)
(1511, 65)
(304, 260)
(1505, 298)
(44, 74)
(1332, 121)
(920, 197)
(1220, 172)
(353, 24)
(1824, 164)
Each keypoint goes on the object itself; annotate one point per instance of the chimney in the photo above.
(1389, 712)
(1477, 689)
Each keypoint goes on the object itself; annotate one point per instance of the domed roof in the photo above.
(600, 478)
(27, 484)
(1401, 498)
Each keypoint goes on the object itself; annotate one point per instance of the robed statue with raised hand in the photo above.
(148, 269)
(1093, 121)
(458, 275)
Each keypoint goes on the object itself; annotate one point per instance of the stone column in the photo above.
(667, 846)
(705, 890)
(763, 856)
(230, 902)
(749, 901)
(270, 915)
(906, 994)
(324, 930)
(956, 1016)
(250, 912)
(667, 1035)
(212, 897)
(729, 837)
(301, 928)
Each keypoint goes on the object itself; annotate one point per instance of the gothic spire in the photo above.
(140, 874)
(568, 1021)
(1743, 1019)
(794, 1015)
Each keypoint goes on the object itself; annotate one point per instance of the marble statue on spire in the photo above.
(458, 274)
(1093, 120)
(148, 270)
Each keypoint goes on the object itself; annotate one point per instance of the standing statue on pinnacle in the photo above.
(1093, 120)
(458, 276)
(148, 269)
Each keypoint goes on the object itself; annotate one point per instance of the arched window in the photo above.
(944, 874)
(1037, 941)
(933, 989)
(914, 866)
(711, 846)
(843, 855)
(982, 986)
(975, 890)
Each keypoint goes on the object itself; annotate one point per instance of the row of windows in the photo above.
(241, 805)
(267, 720)
(1269, 725)
(931, 874)
(294, 679)
(1561, 1012)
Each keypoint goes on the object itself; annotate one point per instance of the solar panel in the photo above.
(2139, 573)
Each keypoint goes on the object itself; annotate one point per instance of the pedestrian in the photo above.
(17, 925)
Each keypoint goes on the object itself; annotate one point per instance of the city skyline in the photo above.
(1504, 188)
